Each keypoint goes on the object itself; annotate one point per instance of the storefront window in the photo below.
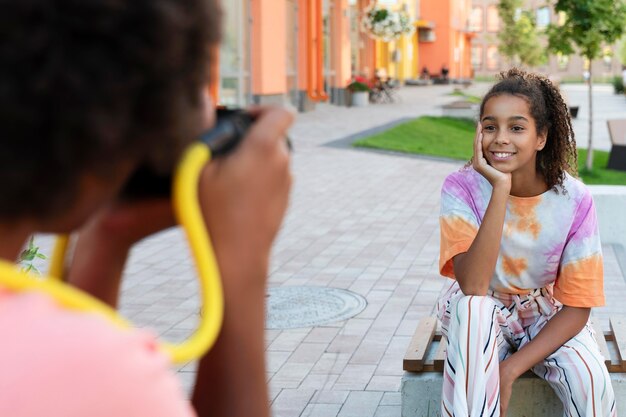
(234, 88)
(328, 21)
(292, 51)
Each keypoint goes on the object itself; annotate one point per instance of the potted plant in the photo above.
(359, 92)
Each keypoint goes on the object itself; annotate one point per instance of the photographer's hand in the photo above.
(244, 197)
(104, 243)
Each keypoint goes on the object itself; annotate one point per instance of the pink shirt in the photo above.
(59, 363)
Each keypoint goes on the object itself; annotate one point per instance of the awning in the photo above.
(425, 24)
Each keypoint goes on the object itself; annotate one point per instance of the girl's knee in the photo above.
(473, 307)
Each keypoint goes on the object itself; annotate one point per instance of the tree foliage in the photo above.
(518, 36)
(588, 26)
(622, 51)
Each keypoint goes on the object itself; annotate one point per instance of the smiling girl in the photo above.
(519, 237)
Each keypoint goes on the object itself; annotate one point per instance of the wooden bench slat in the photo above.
(604, 349)
(415, 354)
(427, 350)
(440, 356)
(618, 326)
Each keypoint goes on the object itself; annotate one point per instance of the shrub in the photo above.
(358, 84)
(618, 85)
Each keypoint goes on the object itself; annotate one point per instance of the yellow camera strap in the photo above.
(189, 215)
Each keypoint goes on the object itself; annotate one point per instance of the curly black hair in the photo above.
(551, 115)
(85, 84)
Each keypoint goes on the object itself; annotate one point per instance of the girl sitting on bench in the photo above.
(519, 235)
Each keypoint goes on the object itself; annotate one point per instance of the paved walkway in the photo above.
(359, 220)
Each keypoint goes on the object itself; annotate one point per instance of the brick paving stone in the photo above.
(355, 377)
(383, 383)
(319, 381)
(344, 344)
(321, 335)
(330, 397)
(321, 410)
(370, 350)
(291, 402)
(276, 359)
(331, 363)
(391, 398)
(361, 404)
(288, 340)
(290, 375)
(388, 411)
(308, 352)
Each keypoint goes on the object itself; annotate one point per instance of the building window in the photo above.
(476, 19)
(562, 61)
(543, 17)
(493, 19)
(477, 57)
(607, 58)
(492, 57)
(234, 87)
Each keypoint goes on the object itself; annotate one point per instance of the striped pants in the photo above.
(482, 331)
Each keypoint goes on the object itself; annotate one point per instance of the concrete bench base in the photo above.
(532, 396)
(610, 201)
(461, 109)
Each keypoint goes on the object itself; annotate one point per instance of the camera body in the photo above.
(230, 127)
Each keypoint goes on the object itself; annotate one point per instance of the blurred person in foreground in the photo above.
(90, 90)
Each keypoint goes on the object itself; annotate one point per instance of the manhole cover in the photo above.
(291, 307)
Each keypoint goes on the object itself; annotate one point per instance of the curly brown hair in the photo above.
(85, 84)
(551, 114)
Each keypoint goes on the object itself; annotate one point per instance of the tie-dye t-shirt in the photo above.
(549, 238)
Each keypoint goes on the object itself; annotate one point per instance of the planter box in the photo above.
(461, 109)
(360, 98)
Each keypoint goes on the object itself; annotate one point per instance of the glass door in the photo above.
(234, 87)
(328, 21)
(292, 52)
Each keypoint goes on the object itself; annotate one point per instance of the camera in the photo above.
(230, 127)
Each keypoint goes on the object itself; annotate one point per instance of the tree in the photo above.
(518, 36)
(588, 26)
(622, 51)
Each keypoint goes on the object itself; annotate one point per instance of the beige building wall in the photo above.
(486, 61)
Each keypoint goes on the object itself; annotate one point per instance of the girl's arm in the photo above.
(565, 324)
(474, 268)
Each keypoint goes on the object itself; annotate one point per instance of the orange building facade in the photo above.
(302, 52)
(446, 40)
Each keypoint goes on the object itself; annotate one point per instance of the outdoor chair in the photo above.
(617, 131)
(383, 90)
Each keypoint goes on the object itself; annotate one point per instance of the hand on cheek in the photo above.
(495, 177)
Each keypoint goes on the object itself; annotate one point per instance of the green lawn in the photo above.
(468, 97)
(452, 138)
